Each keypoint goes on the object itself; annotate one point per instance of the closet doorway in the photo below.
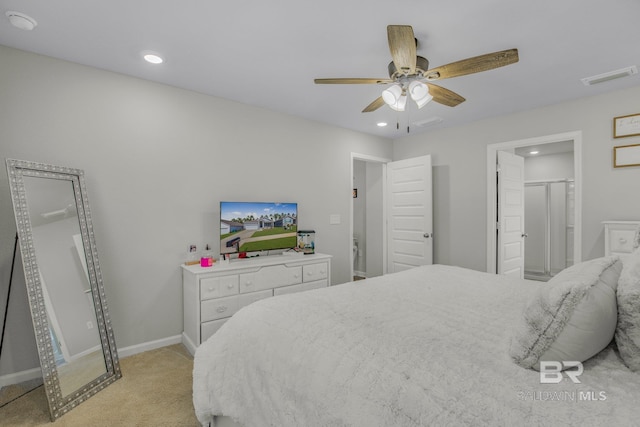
(556, 213)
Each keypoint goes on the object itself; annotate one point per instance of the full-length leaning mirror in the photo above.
(73, 331)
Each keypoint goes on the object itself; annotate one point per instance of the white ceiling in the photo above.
(267, 53)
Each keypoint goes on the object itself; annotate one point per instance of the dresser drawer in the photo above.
(246, 299)
(313, 272)
(209, 328)
(218, 308)
(269, 278)
(300, 288)
(216, 287)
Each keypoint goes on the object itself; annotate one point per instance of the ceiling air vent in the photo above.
(611, 75)
(427, 122)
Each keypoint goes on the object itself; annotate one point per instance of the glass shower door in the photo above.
(548, 214)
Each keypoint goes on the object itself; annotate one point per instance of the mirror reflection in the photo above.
(75, 341)
(65, 282)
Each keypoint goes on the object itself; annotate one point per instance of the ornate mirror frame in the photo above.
(59, 403)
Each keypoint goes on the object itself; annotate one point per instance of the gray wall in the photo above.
(157, 161)
(551, 166)
(460, 171)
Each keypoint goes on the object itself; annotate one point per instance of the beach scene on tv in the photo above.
(252, 227)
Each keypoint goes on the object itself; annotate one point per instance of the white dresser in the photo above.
(211, 295)
(618, 237)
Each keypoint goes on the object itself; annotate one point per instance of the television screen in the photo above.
(257, 226)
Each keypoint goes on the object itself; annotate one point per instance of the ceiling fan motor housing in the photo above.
(422, 65)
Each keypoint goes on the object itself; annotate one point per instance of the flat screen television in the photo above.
(257, 226)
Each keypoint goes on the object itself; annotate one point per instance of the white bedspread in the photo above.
(425, 347)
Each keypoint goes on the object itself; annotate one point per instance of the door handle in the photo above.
(427, 235)
(525, 235)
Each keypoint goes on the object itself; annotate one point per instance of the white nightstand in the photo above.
(618, 237)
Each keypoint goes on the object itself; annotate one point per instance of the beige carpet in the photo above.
(155, 390)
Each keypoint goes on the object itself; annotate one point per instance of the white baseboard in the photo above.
(20, 377)
(189, 344)
(146, 346)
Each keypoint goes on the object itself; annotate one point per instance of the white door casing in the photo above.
(510, 224)
(409, 214)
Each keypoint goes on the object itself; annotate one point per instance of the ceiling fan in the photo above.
(410, 73)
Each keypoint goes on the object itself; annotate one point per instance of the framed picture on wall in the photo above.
(626, 126)
(626, 155)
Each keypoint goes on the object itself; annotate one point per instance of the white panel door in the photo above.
(409, 214)
(510, 214)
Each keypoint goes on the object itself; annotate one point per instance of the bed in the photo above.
(427, 346)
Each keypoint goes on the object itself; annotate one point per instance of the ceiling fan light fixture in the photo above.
(420, 93)
(418, 90)
(424, 100)
(392, 95)
(400, 104)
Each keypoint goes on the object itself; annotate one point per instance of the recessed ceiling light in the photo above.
(22, 21)
(533, 152)
(153, 58)
(381, 124)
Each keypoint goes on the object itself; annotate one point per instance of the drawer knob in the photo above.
(230, 285)
(221, 309)
(623, 240)
(248, 282)
(210, 289)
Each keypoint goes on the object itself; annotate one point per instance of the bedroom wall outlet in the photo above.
(89, 324)
(334, 219)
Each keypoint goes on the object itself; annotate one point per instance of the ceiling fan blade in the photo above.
(379, 102)
(352, 81)
(444, 96)
(476, 64)
(402, 44)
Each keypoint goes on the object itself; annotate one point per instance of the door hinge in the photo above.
(498, 225)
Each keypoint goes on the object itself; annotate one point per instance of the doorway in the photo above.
(368, 236)
(573, 219)
(391, 218)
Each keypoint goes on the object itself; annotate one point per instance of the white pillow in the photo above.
(572, 317)
(628, 329)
